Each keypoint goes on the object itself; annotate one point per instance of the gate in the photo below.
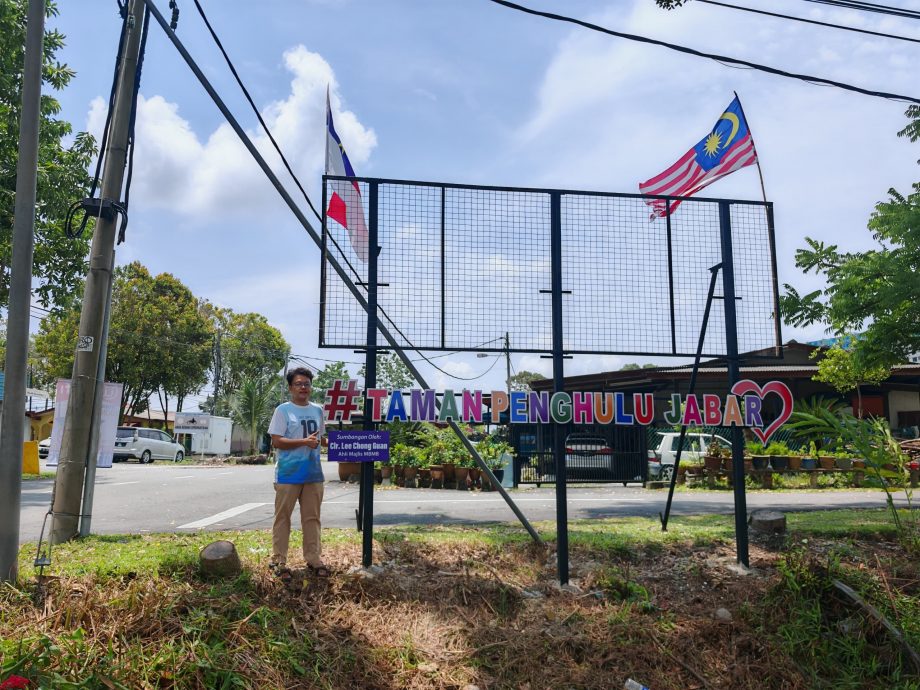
(594, 454)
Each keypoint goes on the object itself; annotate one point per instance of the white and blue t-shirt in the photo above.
(299, 465)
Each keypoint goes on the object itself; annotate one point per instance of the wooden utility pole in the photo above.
(89, 366)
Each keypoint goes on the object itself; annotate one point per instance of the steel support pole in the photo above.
(562, 507)
(690, 391)
(370, 379)
(734, 374)
(17, 335)
(88, 365)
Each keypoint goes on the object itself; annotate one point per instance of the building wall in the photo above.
(901, 401)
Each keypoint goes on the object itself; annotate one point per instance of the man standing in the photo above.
(296, 429)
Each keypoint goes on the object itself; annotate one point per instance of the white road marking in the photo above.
(185, 476)
(204, 522)
(548, 499)
(122, 483)
(220, 473)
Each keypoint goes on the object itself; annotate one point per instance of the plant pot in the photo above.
(499, 476)
(437, 477)
(760, 462)
(727, 464)
(712, 463)
(748, 465)
(844, 463)
(779, 463)
(424, 477)
(826, 462)
(795, 462)
(409, 473)
(378, 476)
(475, 472)
(450, 471)
(462, 476)
(859, 464)
(386, 472)
(347, 470)
(809, 463)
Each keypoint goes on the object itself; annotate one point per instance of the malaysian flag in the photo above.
(345, 205)
(727, 148)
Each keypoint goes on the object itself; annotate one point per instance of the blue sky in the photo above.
(468, 91)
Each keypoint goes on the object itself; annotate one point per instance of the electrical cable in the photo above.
(697, 53)
(869, 7)
(255, 109)
(810, 21)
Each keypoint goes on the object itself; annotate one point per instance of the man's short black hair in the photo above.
(298, 371)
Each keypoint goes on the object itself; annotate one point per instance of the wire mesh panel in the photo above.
(459, 266)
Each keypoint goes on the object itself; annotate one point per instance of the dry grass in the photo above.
(450, 608)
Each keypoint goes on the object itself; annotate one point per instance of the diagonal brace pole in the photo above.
(696, 367)
(337, 267)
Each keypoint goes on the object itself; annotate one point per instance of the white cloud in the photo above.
(215, 175)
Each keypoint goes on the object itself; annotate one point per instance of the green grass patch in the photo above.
(40, 475)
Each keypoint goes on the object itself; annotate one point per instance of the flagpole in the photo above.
(763, 189)
(777, 348)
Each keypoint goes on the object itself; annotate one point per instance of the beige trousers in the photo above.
(310, 496)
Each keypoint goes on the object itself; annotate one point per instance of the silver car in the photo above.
(146, 445)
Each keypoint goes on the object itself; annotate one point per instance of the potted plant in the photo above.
(462, 471)
(493, 452)
(712, 461)
(810, 459)
(779, 456)
(759, 457)
(843, 460)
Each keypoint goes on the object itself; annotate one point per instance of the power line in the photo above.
(710, 56)
(810, 21)
(869, 7)
(255, 109)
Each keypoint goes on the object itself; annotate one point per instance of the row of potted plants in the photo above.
(778, 456)
(437, 458)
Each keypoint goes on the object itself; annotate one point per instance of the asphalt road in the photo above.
(132, 498)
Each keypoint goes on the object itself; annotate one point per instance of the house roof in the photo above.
(760, 365)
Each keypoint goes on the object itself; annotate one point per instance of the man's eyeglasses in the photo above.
(302, 384)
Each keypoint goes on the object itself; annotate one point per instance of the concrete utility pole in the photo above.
(89, 366)
(17, 334)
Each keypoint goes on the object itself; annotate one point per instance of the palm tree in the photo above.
(252, 405)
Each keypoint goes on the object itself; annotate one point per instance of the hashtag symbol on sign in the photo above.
(342, 401)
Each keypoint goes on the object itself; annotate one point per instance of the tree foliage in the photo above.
(159, 338)
(391, 372)
(250, 348)
(842, 371)
(324, 379)
(874, 292)
(521, 381)
(252, 406)
(59, 262)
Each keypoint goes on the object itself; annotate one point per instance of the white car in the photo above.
(661, 460)
(146, 445)
(44, 447)
(587, 452)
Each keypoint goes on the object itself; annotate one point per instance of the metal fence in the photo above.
(461, 265)
(622, 459)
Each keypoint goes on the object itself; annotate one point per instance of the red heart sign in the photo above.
(778, 387)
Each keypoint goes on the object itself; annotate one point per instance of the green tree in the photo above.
(521, 381)
(159, 342)
(391, 372)
(250, 348)
(874, 292)
(632, 366)
(842, 371)
(324, 379)
(59, 262)
(252, 406)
